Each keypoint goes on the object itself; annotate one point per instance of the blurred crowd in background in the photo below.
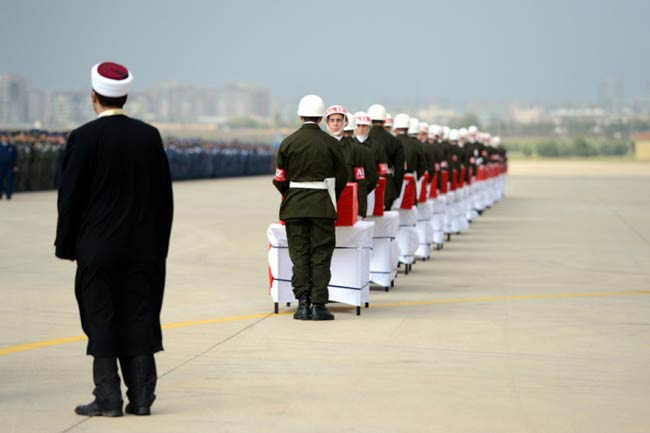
(40, 155)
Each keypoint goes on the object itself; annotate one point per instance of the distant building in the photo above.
(14, 100)
(611, 95)
(244, 100)
(69, 109)
(527, 115)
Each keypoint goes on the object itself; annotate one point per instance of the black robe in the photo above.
(115, 214)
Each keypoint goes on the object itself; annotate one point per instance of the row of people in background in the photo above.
(374, 144)
(31, 160)
(314, 166)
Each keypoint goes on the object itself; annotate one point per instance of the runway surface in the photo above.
(536, 320)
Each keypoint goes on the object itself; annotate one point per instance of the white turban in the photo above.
(111, 79)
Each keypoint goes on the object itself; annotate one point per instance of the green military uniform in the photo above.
(473, 154)
(413, 156)
(309, 155)
(394, 154)
(366, 179)
(442, 152)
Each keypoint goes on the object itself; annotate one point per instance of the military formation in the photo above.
(30, 160)
(313, 166)
(35, 156)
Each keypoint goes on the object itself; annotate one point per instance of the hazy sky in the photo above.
(526, 50)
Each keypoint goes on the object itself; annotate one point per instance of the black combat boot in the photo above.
(304, 308)
(140, 377)
(108, 397)
(320, 312)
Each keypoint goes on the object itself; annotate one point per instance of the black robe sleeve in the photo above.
(73, 194)
(166, 199)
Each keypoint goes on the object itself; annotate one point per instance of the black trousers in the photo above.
(6, 178)
(311, 245)
(119, 306)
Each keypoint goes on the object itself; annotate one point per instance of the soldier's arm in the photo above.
(370, 168)
(399, 164)
(280, 179)
(422, 161)
(73, 192)
(340, 169)
(166, 202)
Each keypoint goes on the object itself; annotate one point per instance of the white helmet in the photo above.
(434, 130)
(453, 135)
(462, 133)
(335, 109)
(486, 137)
(401, 121)
(311, 106)
(414, 126)
(445, 133)
(362, 118)
(377, 112)
(496, 141)
(473, 130)
(351, 124)
(389, 120)
(424, 127)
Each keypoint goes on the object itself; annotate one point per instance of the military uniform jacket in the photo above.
(393, 151)
(115, 198)
(309, 155)
(433, 159)
(365, 173)
(414, 155)
(8, 155)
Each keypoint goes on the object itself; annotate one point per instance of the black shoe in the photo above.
(94, 409)
(137, 410)
(320, 312)
(304, 309)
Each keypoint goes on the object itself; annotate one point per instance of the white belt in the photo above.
(328, 184)
(308, 185)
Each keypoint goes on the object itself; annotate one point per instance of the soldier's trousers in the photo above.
(311, 245)
(6, 178)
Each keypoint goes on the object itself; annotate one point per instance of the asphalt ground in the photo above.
(536, 320)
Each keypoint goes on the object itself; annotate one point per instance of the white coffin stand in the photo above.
(424, 230)
(437, 221)
(407, 236)
(385, 251)
(350, 266)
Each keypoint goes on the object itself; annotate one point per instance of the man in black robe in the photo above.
(115, 214)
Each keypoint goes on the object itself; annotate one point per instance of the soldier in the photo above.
(370, 153)
(388, 124)
(311, 175)
(414, 151)
(348, 129)
(473, 148)
(393, 150)
(8, 158)
(115, 215)
(359, 162)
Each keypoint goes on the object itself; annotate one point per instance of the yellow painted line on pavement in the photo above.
(512, 298)
(48, 343)
(39, 344)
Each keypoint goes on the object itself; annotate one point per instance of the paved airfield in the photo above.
(536, 320)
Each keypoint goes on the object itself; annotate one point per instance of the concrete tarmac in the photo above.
(536, 320)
